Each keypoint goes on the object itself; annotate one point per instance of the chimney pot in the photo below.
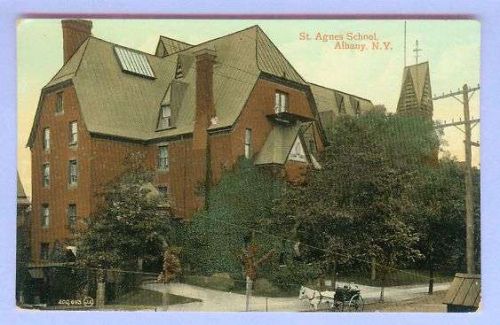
(75, 32)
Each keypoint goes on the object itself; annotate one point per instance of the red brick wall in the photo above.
(59, 194)
(227, 147)
(101, 160)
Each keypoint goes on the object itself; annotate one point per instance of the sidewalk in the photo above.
(214, 300)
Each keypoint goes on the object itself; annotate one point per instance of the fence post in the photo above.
(165, 297)
(248, 293)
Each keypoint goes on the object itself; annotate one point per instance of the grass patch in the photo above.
(211, 282)
(148, 298)
(398, 278)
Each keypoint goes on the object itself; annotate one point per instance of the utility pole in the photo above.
(469, 202)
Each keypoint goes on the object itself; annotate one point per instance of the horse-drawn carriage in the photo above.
(344, 298)
(348, 298)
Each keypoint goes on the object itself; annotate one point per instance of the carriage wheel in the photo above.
(338, 306)
(356, 303)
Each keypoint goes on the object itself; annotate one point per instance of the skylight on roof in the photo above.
(134, 62)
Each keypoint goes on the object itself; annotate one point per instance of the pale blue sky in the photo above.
(452, 48)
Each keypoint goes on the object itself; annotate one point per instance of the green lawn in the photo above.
(397, 278)
(148, 298)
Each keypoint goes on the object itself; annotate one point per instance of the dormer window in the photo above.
(341, 104)
(281, 102)
(165, 120)
(179, 74)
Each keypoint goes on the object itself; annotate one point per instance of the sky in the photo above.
(452, 48)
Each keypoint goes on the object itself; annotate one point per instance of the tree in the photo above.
(128, 226)
(438, 214)
(240, 204)
(353, 208)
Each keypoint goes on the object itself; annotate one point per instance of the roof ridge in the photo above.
(277, 49)
(340, 91)
(217, 38)
(173, 39)
(124, 46)
(86, 43)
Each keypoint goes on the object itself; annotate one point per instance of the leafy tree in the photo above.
(128, 226)
(352, 208)
(438, 215)
(240, 204)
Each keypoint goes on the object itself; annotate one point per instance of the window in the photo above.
(73, 133)
(45, 217)
(73, 172)
(248, 143)
(163, 192)
(46, 175)
(46, 139)
(72, 215)
(44, 251)
(297, 153)
(281, 102)
(357, 109)
(59, 102)
(165, 117)
(134, 62)
(312, 146)
(163, 158)
(341, 105)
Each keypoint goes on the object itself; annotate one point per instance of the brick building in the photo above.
(191, 110)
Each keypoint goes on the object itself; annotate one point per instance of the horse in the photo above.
(316, 297)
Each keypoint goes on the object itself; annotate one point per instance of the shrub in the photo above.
(263, 287)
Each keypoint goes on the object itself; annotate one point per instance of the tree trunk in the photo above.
(382, 287)
(248, 292)
(139, 264)
(165, 298)
(100, 294)
(431, 275)
(334, 280)
(374, 269)
(101, 289)
(322, 282)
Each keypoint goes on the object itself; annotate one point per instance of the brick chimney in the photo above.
(205, 110)
(75, 32)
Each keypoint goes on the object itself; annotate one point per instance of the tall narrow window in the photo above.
(46, 175)
(45, 217)
(341, 105)
(72, 215)
(73, 172)
(248, 143)
(59, 102)
(44, 251)
(165, 117)
(281, 102)
(73, 133)
(163, 158)
(46, 139)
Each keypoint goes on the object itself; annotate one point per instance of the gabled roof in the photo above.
(418, 74)
(168, 46)
(21, 194)
(117, 103)
(278, 144)
(327, 102)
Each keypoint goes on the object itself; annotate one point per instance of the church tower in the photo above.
(416, 94)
